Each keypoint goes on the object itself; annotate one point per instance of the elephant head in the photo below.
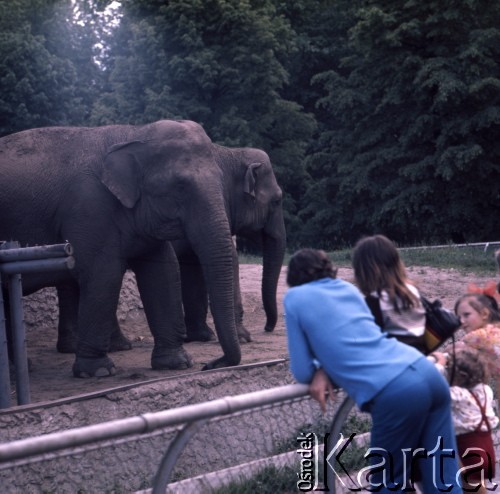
(254, 208)
(171, 182)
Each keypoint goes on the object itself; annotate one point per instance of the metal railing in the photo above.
(196, 448)
(14, 262)
(171, 446)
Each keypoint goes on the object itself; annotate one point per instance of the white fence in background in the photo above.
(486, 245)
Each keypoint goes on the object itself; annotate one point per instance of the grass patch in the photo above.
(475, 259)
(353, 458)
(472, 258)
(249, 259)
(284, 480)
(356, 422)
(269, 481)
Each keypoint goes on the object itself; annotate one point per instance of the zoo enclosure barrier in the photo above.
(196, 448)
(15, 261)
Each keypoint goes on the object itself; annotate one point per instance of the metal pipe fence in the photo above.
(248, 439)
(15, 261)
(196, 448)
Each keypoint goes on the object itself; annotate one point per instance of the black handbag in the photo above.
(440, 324)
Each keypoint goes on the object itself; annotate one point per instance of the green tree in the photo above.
(321, 35)
(417, 102)
(46, 69)
(218, 62)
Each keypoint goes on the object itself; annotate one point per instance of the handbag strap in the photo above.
(482, 408)
(373, 303)
(451, 376)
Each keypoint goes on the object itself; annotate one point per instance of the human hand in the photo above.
(441, 358)
(319, 388)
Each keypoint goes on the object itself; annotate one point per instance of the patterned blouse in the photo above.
(466, 412)
(487, 341)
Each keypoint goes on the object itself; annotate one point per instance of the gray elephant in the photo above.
(254, 213)
(118, 194)
(260, 220)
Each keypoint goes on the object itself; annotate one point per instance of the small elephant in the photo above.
(255, 212)
(119, 194)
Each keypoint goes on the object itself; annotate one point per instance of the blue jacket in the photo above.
(329, 320)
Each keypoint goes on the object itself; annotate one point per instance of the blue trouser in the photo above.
(413, 412)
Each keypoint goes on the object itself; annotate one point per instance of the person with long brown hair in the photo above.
(394, 300)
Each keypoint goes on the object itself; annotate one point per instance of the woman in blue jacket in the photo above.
(332, 332)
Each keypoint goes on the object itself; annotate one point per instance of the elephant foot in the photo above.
(119, 343)
(243, 334)
(170, 358)
(93, 367)
(199, 333)
(66, 344)
(219, 363)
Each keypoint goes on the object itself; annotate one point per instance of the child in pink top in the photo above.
(480, 317)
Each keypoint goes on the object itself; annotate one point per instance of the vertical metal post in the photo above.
(164, 472)
(19, 340)
(4, 357)
(13, 262)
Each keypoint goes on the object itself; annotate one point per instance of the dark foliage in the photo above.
(378, 115)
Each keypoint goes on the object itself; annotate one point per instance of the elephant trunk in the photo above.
(215, 256)
(274, 245)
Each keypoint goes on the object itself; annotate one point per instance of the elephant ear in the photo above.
(249, 182)
(121, 173)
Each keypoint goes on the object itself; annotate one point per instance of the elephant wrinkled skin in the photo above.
(119, 194)
(255, 212)
(254, 209)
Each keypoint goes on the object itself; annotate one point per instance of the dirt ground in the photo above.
(51, 377)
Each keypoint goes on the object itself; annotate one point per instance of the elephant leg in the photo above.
(99, 294)
(159, 284)
(67, 295)
(243, 333)
(194, 300)
(119, 342)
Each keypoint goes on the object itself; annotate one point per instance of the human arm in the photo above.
(301, 357)
(440, 360)
(320, 387)
(304, 366)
